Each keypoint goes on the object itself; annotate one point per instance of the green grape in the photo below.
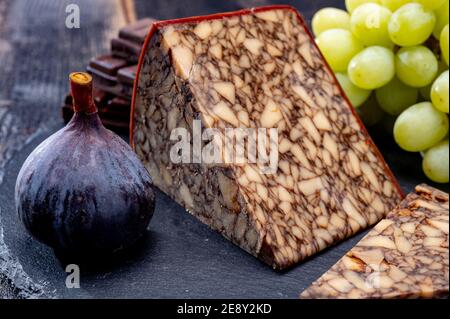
(420, 127)
(395, 97)
(394, 4)
(416, 66)
(436, 163)
(353, 4)
(372, 68)
(356, 95)
(439, 92)
(330, 18)
(369, 23)
(370, 113)
(425, 91)
(444, 43)
(339, 47)
(411, 25)
(431, 4)
(441, 19)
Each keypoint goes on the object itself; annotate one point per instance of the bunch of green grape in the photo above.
(391, 58)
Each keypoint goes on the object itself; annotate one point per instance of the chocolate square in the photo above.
(136, 32)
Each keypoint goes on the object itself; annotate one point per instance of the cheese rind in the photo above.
(404, 256)
(259, 68)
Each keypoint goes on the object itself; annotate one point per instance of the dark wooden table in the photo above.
(180, 257)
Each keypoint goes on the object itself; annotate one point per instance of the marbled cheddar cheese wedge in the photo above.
(404, 256)
(259, 68)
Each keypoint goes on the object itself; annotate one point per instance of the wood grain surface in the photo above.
(180, 257)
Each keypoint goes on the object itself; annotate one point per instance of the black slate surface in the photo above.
(179, 257)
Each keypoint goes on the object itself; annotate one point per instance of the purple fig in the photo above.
(83, 189)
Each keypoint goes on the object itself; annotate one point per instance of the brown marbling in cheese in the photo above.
(404, 256)
(260, 68)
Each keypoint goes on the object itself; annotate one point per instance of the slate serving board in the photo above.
(179, 257)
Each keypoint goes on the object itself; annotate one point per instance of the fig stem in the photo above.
(81, 90)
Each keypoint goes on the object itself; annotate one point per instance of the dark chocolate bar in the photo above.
(119, 104)
(114, 77)
(127, 75)
(67, 112)
(108, 115)
(109, 84)
(101, 76)
(136, 32)
(101, 98)
(117, 109)
(118, 123)
(126, 49)
(115, 89)
(107, 64)
(127, 92)
(68, 100)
